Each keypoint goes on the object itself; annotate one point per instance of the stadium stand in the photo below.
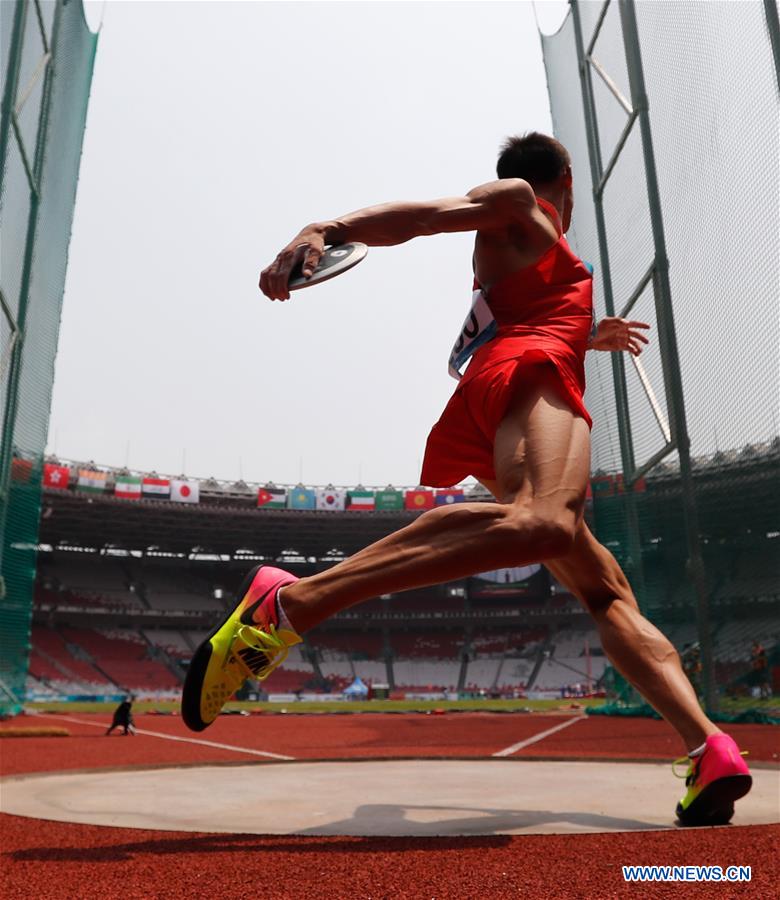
(371, 671)
(88, 578)
(419, 676)
(64, 666)
(134, 593)
(560, 672)
(172, 641)
(756, 576)
(352, 644)
(483, 673)
(427, 644)
(124, 658)
(734, 639)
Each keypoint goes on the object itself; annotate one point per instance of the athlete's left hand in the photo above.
(614, 333)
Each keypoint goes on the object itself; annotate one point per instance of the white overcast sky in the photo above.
(215, 131)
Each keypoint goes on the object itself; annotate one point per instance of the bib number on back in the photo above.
(479, 328)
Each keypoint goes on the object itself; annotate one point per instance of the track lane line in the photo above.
(508, 751)
(171, 737)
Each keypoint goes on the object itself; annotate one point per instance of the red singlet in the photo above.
(544, 314)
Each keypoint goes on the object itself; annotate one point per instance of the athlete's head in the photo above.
(544, 163)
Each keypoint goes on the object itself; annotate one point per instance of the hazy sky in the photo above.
(215, 131)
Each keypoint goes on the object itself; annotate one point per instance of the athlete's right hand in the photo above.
(307, 248)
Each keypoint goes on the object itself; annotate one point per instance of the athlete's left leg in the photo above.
(636, 648)
(717, 775)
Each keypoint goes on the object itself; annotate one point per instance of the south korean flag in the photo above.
(331, 498)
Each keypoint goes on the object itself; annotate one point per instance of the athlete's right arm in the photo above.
(490, 207)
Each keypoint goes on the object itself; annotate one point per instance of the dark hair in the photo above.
(537, 158)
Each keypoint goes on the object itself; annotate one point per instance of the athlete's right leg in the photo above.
(542, 451)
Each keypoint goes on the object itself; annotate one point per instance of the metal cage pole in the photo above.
(773, 27)
(628, 460)
(34, 175)
(668, 338)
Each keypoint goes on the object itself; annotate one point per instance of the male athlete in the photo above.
(517, 423)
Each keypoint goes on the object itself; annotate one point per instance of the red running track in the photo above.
(57, 860)
(362, 736)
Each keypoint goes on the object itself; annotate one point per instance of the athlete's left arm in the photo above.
(616, 334)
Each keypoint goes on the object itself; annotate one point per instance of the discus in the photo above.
(333, 262)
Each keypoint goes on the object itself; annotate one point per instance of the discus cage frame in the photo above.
(47, 61)
(674, 430)
(14, 98)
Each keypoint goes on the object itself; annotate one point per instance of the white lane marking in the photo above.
(508, 751)
(169, 737)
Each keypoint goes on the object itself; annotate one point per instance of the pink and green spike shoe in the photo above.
(247, 644)
(715, 779)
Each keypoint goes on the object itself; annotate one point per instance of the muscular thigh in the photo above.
(542, 450)
(542, 458)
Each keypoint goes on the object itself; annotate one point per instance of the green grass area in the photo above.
(742, 704)
(324, 706)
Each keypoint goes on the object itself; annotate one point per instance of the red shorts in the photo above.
(461, 442)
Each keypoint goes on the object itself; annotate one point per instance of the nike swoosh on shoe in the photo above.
(247, 614)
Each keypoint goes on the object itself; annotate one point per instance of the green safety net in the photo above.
(711, 83)
(47, 53)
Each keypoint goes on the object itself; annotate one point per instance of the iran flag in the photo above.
(55, 476)
(331, 498)
(185, 491)
(128, 486)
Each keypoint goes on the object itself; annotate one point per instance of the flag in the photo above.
(91, 482)
(272, 498)
(331, 498)
(128, 486)
(55, 476)
(21, 469)
(361, 500)
(603, 486)
(156, 488)
(450, 495)
(185, 491)
(419, 499)
(389, 498)
(302, 498)
(640, 486)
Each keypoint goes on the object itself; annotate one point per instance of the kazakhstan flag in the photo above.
(302, 498)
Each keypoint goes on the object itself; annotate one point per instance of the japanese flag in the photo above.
(185, 491)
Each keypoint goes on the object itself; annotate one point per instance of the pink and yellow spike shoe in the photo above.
(715, 779)
(247, 644)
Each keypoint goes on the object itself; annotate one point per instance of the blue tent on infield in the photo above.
(358, 690)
